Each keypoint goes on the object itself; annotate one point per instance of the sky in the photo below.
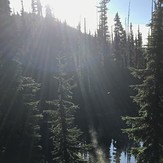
(140, 10)
(74, 11)
(140, 13)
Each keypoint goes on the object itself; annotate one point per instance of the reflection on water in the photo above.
(109, 151)
(117, 156)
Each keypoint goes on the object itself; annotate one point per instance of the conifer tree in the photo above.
(48, 12)
(36, 7)
(147, 128)
(120, 43)
(15, 106)
(131, 43)
(9, 84)
(22, 8)
(103, 33)
(103, 24)
(39, 6)
(139, 59)
(9, 65)
(30, 150)
(67, 144)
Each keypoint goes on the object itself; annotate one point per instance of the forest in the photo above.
(70, 96)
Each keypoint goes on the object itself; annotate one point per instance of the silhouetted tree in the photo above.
(131, 44)
(103, 33)
(120, 43)
(67, 143)
(146, 129)
(36, 7)
(139, 58)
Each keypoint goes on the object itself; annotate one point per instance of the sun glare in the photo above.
(74, 11)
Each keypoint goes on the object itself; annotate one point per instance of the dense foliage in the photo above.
(147, 128)
(39, 118)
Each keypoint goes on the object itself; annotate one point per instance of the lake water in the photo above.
(124, 158)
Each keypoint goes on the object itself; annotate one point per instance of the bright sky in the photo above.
(76, 10)
(73, 11)
(140, 13)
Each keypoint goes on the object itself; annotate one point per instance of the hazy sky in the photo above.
(75, 10)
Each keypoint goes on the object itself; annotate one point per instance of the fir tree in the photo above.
(30, 150)
(120, 43)
(131, 43)
(22, 8)
(139, 59)
(103, 33)
(15, 106)
(67, 144)
(36, 7)
(9, 65)
(48, 12)
(147, 128)
(103, 24)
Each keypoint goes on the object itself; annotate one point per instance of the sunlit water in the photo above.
(123, 157)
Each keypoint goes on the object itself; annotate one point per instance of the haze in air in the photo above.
(81, 81)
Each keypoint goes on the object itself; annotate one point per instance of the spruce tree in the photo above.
(36, 7)
(9, 74)
(120, 43)
(139, 58)
(103, 24)
(67, 143)
(30, 148)
(146, 129)
(22, 8)
(103, 33)
(48, 12)
(131, 44)
(17, 111)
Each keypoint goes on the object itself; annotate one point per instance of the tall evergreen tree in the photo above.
(103, 24)
(139, 59)
(103, 33)
(22, 8)
(48, 12)
(29, 141)
(120, 43)
(36, 7)
(15, 106)
(147, 128)
(9, 66)
(67, 144)
(131, 44)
